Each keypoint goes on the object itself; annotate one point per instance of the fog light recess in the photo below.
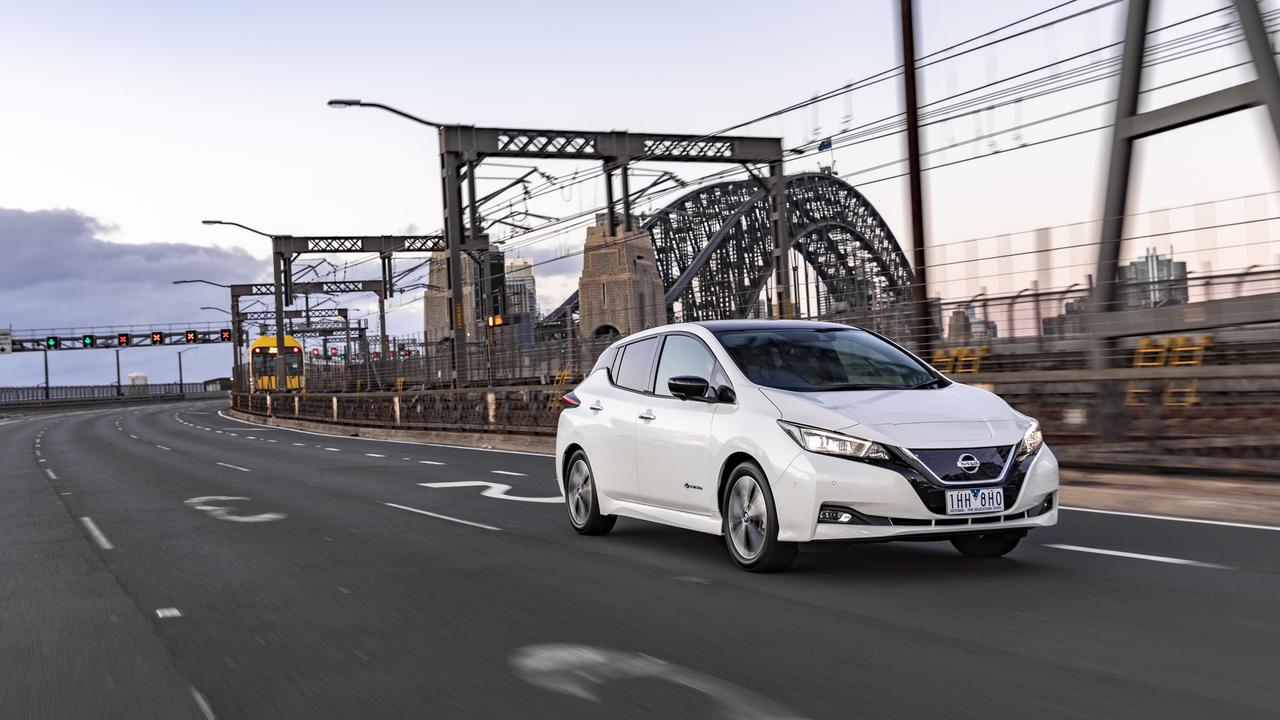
(827, 515)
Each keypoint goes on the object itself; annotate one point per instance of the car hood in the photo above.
(955, 416)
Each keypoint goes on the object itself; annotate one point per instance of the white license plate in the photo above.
(976, 500)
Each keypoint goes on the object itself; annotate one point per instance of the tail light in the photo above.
(570, 400)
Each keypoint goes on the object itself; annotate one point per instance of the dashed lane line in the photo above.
(96, 534)
(1138, 556)
(233, 467)
(507, 472)
(1170, 518)
(444, 517)
(50, 473)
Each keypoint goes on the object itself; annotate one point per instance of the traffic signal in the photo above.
(122, 339)
(315, 352)
(87, 340)
(333, 351)
(51, 342)
(157, 338)
(224, 336)
(192, 336)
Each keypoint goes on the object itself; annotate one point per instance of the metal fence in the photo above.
(94, 392)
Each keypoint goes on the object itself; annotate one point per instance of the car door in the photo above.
(673, 462)
(611, 443)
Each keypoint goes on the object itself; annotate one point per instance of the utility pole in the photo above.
(277, 263)
(920, 289)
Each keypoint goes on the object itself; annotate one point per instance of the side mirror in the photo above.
(725, 394)
(688, 387)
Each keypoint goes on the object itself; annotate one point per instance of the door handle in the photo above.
(647, 415)
(595, 406)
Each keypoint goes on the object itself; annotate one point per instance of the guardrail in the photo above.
(530, 410)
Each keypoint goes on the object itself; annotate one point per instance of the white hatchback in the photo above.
(774, 432)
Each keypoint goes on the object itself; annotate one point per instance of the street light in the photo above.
(277, 271)
(208, 307)
(181, 391)
(360, 103)
(206, 282)
(455, 243)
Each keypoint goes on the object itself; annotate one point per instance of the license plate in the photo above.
(975, 500)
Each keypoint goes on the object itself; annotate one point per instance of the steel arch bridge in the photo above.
(714, 248)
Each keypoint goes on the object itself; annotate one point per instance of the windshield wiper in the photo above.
(925, 384)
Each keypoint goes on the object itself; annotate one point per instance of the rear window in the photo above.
(634, 371)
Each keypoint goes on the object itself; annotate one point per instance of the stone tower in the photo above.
(620, 290)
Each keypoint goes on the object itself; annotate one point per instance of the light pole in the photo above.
(119, 389)
(181, 389)
(453, 235)
(277, 272)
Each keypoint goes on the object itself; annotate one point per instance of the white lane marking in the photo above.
(203, 704)
(233, 434)
(162, 447)
(506, 472)
(430, 462)
(96, 534)
(49, 472)
(135, 437)
(37, 450)
(299, 444)
(493, 490)
(1222, 523)
(443, 517)
(373, 455)
(224, 513)
(168, 612)
(401, 442)
(233, 467)
(1137, 556)
(333, 449)
(41, 460)
(250, 437)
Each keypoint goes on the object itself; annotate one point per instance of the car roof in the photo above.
(758, 324)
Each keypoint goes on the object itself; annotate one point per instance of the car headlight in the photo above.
(1032, 439)
(831, 443)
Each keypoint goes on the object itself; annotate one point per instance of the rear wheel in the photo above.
(580, 498)
(751, 522)
(987, 545)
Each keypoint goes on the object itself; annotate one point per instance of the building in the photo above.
(522, 300)
(1153, 281)
(620, 291)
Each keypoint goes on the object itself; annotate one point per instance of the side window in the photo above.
(683, 355)
(637, 361)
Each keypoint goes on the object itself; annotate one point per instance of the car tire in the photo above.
(750, 522)
(987, 545)
(580, 498)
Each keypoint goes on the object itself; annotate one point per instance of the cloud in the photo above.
(59, 272)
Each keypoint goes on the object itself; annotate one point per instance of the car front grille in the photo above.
(945, 464)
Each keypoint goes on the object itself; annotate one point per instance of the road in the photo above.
(169, 562)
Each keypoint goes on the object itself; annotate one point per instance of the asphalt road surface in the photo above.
(169, 562)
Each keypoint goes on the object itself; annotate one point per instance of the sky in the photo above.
(122, 125)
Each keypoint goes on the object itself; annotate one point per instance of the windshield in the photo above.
(816, 359)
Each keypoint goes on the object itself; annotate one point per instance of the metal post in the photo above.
(1118, 173)
(920, 289)
(46, 374)
(278, 269)
(449, 162)
(608, 200)
(626, 196)
(119, 389)
(180, 383)
(382, 324)
(237, 372)
(1264, 64)
(782, 243)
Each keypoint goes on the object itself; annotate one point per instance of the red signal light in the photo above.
(157, 338)
(122, 340)
(224, 335)
(333, 351)
(315, 352)
(192, 336)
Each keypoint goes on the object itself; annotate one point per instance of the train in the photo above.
(262, 365)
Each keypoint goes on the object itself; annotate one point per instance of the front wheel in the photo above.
(987, 545)
(751, 523)
(580, 498)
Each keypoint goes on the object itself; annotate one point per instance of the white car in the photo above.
(776, 432)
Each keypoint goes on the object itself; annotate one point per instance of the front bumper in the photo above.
(895, 500)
